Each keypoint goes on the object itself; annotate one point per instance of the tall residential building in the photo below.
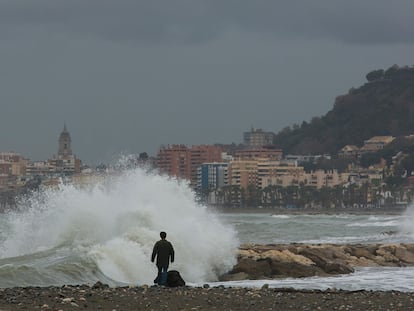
(183, 162)
(259, 153)
(258, 138)
(212, 176)
(12, 171)
(18, 164)
(278, 173)
(262, 173)
(201, 154)
(172, 160)
(243, 173)
(323, 178)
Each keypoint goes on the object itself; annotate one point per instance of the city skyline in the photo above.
(129, 76)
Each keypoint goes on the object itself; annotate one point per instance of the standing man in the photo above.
(164, 252)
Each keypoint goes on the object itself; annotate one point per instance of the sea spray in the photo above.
(112, 226)
(407, 223)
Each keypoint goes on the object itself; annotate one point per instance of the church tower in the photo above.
(64, 143)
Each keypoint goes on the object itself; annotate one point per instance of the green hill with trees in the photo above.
(382, 106)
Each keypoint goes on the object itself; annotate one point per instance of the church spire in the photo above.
(64, 143)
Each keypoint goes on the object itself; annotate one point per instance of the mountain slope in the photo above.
(382, 106)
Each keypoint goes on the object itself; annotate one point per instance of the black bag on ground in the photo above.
(174, 279)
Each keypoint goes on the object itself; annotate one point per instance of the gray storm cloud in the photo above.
(131, 75)
(194, 21)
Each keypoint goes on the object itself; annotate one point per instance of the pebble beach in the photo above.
(102, 297)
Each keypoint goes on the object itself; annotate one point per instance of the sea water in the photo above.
(106, 233)
(322, 228)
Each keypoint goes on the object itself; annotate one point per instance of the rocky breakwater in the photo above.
(304, 260)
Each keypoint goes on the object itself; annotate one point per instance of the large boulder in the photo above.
(314, 254)
(404, 255)
(386, 253)
(327, 259)
(255, 269)
(287, 256)
(295, 270)
(337, 268)
(361, 251)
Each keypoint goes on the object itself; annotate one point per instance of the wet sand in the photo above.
(101, 297)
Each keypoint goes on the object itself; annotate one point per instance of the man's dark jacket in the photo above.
(164, 251)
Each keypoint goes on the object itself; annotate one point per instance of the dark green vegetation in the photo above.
(382, 106)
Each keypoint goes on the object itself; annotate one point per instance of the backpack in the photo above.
(174, 279)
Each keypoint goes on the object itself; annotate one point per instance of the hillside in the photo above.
(382, 106)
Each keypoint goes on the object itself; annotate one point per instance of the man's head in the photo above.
(163, 235)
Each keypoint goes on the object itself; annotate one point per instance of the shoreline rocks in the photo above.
(257, 261)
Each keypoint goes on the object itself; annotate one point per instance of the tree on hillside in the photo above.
(375, 75)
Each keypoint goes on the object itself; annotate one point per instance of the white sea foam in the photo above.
(116, 223)
(390, 223)
(406, 224)
(281, 216)
(383, 218)
(341, 216)
(383, 279)
(346, 239)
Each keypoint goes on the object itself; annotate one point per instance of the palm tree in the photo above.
(253, 195)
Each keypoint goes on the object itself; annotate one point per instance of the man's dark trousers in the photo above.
(162, 275)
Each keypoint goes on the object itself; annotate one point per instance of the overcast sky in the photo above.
(127, 75)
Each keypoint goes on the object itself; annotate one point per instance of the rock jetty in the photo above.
(303, 260)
